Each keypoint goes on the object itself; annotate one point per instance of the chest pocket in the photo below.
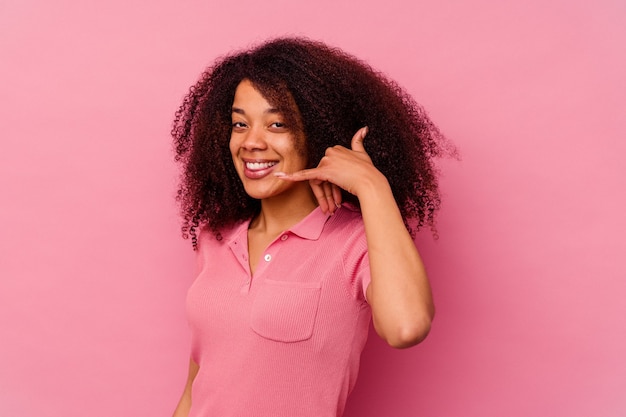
(285, 311)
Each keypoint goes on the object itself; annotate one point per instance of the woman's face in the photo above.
(261, 143)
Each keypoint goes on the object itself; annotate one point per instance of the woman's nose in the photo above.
(255, 139)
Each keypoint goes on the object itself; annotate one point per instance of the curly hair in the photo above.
(330, 95)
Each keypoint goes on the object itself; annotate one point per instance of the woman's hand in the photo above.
(340, 168)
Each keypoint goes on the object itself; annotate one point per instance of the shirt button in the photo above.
(284, 237)
(248, 282)
(268, 257)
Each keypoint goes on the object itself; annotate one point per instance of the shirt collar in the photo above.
(311, 226)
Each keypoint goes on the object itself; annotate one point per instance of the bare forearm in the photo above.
(399, 292)
(184, 405)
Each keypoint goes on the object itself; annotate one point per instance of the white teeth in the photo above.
(254, 166)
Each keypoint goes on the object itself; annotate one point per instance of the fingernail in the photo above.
(337, 205)
(279, 174)
(364, 132)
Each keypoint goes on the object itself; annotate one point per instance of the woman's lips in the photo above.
(258, 169)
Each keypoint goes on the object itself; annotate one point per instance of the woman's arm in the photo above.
(184, 405)
(399, 292)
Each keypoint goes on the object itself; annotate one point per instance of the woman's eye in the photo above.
(238, 125)
(278, 125)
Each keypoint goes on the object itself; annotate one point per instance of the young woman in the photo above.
(302, 168)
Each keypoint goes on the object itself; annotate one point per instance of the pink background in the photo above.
(528, 273)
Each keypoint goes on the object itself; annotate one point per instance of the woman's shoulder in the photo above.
(349, 213)
(347, 222)
(208, 237)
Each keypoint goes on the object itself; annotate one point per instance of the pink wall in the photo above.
(530, 294)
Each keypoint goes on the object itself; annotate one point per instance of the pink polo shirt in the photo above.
(286, 341)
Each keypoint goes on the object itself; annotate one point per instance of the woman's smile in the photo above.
(255, 169)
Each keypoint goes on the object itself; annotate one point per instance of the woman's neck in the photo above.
(281, 212)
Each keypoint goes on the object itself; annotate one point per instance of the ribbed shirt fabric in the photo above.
(286, 341)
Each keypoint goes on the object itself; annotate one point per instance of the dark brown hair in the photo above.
(335, 94)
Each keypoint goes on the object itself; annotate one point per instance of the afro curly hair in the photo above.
(330, 95)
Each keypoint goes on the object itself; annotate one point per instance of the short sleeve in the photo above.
(356, 262)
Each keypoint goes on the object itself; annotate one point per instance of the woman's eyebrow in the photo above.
(271, 110)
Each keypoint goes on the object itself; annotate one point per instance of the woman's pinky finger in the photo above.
(328, 193)
(336, 195)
